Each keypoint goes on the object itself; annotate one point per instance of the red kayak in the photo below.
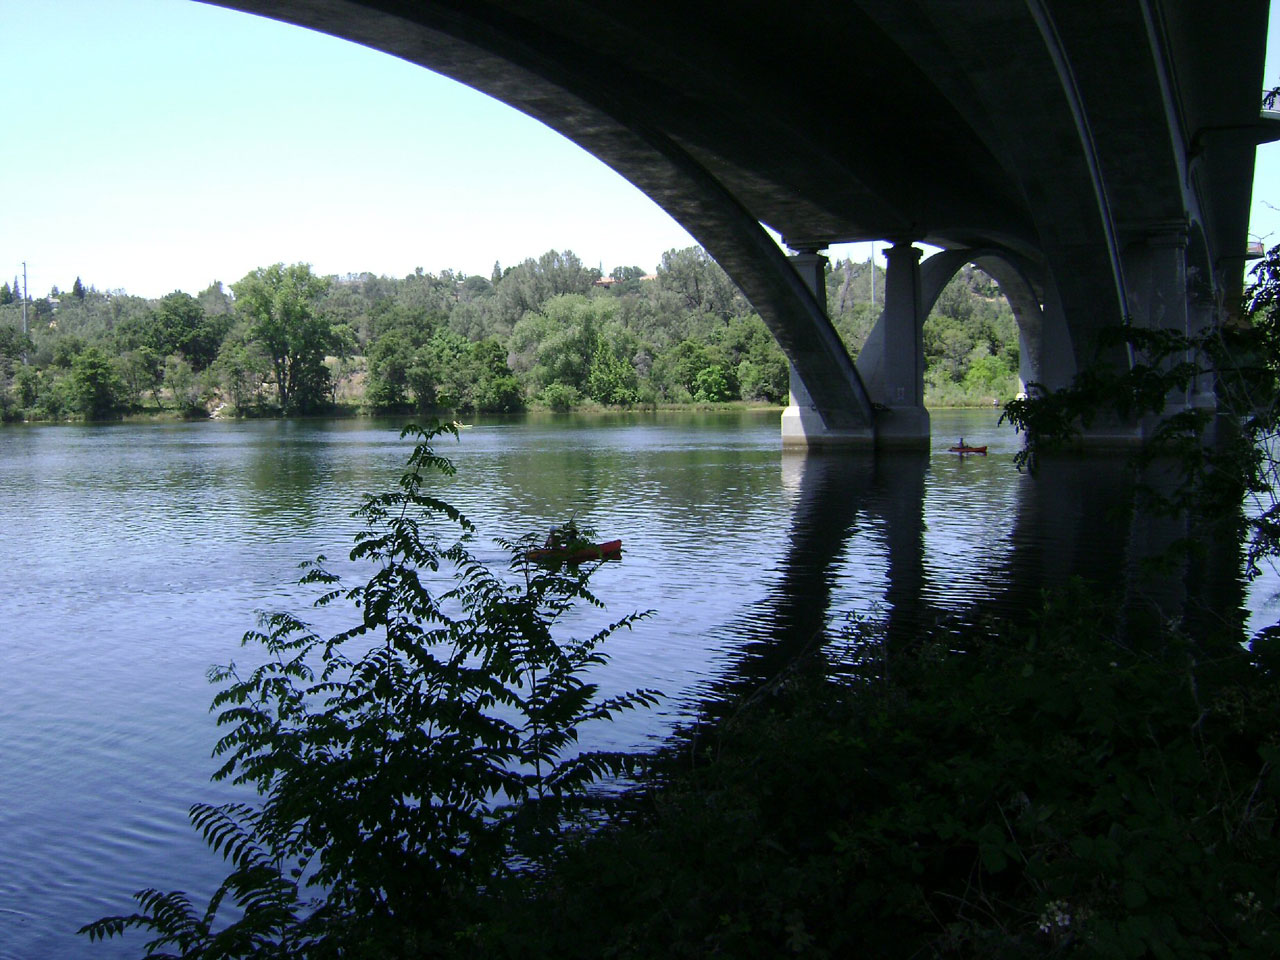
(964, 450)
(577, 553)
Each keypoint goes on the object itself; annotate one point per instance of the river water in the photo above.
(135, 556)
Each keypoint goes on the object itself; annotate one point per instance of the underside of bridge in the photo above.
(1097, 159)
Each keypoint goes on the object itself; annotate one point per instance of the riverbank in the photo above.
(355, 411)
(349, 412)
(1066, 785)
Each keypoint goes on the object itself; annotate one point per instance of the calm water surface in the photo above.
(136, 556)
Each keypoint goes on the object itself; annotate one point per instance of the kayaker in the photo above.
(561, 537)
(961, 444)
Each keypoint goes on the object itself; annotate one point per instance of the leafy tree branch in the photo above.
(408, 764)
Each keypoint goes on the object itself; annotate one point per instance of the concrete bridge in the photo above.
(1095, 158)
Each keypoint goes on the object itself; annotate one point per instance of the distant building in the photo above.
(610, 281)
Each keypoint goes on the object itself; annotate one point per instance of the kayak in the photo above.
(577, 553)
(964, 450)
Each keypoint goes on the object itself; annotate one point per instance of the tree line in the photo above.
(549, 332)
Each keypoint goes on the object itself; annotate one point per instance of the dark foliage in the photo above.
(410, 765)
(1209, 460)
(1050, 790)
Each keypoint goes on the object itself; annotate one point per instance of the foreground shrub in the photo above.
(410, 765)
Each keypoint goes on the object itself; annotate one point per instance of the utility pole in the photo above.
(25, 332)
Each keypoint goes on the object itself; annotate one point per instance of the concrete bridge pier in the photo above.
(804, 422)
(902, 420)
(1159, 297)
(891, 363)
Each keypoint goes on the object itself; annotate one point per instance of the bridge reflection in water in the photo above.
(1077, 517)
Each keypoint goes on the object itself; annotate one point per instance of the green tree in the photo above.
(181, 326)
(498, 395)
(140, 370)
(625, 274)
(990, 376)
(54, 395)
(77, 289)
(948, 344)
(754, 360)
(559, 397)
(711, 385)
(387, 386)
(65, 350)
(241, 368)
(14, 345)
(183, 385)
(677, 370)
(442, 375)
(611, 379)
(530, 285)
(94, 388)
(279, 304)
(495, 388)
(26, 387)
(557, 344)
(214, 300)
(700, 284)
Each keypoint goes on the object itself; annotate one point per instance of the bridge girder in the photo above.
(1058, 134)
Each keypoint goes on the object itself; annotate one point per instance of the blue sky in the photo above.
(167, 144)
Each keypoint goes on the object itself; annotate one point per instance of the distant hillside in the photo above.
(548, 332)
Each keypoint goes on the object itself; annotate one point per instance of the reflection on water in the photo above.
(921, 540)
(137, 555)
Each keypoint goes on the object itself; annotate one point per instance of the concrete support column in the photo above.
(904, 422)
(812, 267)
(1057, 363)
(801, 419)
(803, 424)
(1162, 299)
(1158, 301)
(1155, 268)
(1203, 315)
(1163, 294)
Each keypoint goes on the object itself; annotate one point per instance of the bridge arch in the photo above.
(1040, 128)
(1010, 273)
(1046, 350)
(505, 52)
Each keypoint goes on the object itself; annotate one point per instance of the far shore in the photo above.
(351, 411)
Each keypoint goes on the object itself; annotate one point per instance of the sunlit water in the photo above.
(136, 556)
